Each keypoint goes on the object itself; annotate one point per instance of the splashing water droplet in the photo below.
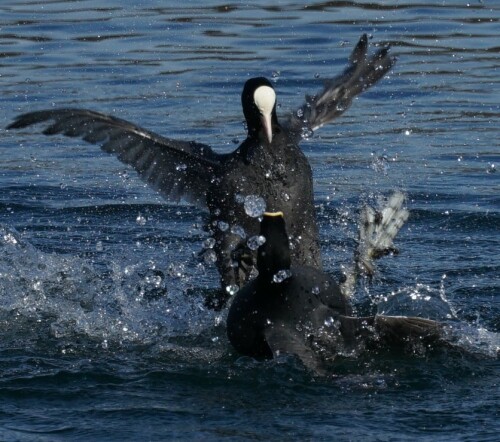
(181, 167)
(176, 270)
(210, 257)
(254, 205)
(255, 242)
(209, 243)
(380, 164)
(315, 290)
(329, 321)
(223, 226)
(281, 276)
(285, 196)
(141, 220)
(9, 238)
(306, 133)
(238, 230)
(232, 289)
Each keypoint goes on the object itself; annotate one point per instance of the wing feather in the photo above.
(336, 97)
(172, 167)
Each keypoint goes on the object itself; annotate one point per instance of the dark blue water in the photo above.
(103, 330)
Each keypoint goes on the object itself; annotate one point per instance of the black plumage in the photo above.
(300, 310)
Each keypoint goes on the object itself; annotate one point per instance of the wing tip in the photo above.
(19, 122)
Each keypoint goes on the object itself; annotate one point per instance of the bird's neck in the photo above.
(275, 267)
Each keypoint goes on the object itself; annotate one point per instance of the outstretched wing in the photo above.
(338, 93)
(174, 168)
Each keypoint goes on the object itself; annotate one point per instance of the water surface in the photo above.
(104, 334)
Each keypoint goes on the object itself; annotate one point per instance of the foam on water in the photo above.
(120, 304)
(117, 305)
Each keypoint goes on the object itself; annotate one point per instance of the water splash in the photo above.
(75, 300)
(255, 242)
(254, 205)
(232, 289)
(473, 339)
(238, 230)
(222, 226)
(281, 276)
(141, 220)
(420, 300)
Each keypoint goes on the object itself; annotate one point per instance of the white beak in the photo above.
(267, 125)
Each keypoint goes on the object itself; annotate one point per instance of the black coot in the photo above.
(299, 310)
(267, 170)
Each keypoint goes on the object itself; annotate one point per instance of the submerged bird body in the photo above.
(267, 165)
(268, 318)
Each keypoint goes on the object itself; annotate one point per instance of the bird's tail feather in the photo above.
(392, 331)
